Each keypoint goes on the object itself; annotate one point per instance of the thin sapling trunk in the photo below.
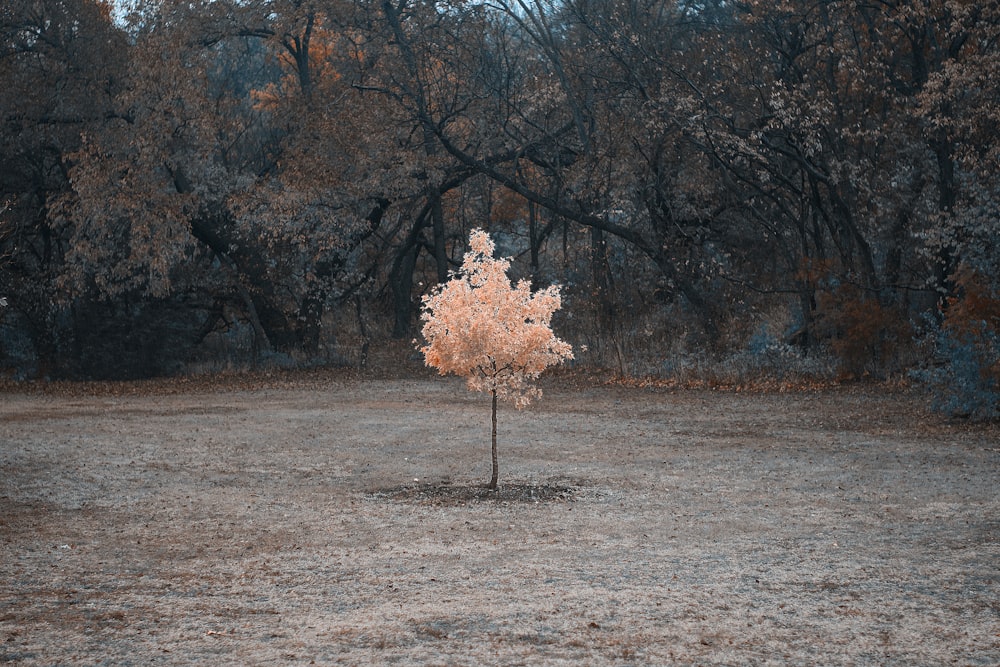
(496, 467)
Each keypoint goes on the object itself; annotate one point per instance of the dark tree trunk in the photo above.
(603, 289)
(947, 197)
(401, 279)
(440, 250)
(311, 318)
(496, 468)
(534, 242)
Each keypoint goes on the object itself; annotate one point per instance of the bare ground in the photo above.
(341, 522)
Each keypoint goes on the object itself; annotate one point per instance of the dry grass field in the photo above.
(338, 520)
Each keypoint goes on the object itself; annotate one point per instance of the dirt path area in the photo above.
(339, 523)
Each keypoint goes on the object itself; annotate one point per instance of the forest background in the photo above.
(726, 190)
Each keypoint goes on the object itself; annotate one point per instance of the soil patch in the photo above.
(448, 494)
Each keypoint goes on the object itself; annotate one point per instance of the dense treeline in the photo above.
(285, 178)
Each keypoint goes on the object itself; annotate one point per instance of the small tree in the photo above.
(494, 334)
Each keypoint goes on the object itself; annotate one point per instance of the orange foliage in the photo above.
(864, 334)
(496, 335)
(508, 206)
(974, 316)
(977, 306)
(323, 45)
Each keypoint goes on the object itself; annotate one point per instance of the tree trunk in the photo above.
(947, 197)
(496, 469)
(607, 319)
(311, 318)
(533, 243)
(401, 277)
(440, 249)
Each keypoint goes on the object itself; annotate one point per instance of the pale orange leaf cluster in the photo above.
(495, 334)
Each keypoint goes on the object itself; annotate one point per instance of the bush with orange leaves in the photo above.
(496, 335)
(868, 338)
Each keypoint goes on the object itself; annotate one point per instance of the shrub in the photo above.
(867, 336)
(964, 375)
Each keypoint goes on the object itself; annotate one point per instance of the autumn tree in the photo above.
(494, 334)
(61, 65)
(222, 187)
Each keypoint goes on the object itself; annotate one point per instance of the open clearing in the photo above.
(335, 521)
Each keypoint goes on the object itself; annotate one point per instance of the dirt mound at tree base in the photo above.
(444, 493)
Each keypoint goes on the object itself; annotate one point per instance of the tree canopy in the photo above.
(496, 335)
